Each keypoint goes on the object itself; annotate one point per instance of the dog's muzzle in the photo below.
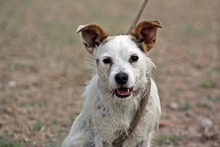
(121, 79)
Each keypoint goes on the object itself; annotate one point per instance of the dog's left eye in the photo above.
(133, 58)
(107, 60)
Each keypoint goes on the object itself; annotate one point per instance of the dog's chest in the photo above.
(111, 117)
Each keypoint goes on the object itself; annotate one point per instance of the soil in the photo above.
(44, 67)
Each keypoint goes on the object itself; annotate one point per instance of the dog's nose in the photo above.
(121, 78)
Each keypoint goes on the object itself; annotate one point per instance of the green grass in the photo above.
(160, 140)
(38, 126)
(176, 91)
(205, 106)
(185, 107)
(9, 143)
(214, 98)
(217, 69)
(171, 139)
(4, 99)
(56, 121)
(207, 84)
(51, 144)
(18, 66)
(58, 134)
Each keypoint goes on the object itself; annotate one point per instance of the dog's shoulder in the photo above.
(91, 88)
(155, 96)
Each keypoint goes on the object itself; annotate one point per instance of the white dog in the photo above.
(113, 96)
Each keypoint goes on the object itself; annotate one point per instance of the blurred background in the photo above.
(43, 67)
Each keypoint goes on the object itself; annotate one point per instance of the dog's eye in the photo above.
(134, 58)
(107, 60)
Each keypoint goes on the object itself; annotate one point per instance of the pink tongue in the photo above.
(123, 91)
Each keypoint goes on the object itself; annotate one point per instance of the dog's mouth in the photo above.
(123, 92)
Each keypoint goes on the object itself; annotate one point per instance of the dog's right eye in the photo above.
(107, 60)
(134, 58)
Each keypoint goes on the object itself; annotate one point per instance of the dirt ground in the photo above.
(43, 67)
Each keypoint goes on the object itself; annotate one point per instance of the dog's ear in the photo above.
(146, 33)
(92, 36)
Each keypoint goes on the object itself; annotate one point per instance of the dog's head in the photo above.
(122, 64)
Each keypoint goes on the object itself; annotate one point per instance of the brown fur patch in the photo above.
(92, 35)
(146, 32)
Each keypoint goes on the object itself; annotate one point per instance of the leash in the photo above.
(137, 17)
(118, 142)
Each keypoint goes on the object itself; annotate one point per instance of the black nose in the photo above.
(121, 78)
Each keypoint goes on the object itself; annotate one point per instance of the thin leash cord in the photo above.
(137, 17)
(118, 142)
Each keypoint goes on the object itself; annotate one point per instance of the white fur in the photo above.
(104, 113)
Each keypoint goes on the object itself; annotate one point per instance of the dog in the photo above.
(113, 95)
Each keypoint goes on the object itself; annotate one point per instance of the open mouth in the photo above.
(123, 92)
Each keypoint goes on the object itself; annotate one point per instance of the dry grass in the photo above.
(43, 71)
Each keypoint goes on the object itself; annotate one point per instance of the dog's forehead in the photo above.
(122, 44)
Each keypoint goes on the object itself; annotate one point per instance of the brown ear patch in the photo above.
(92, 35)
(146, 33)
